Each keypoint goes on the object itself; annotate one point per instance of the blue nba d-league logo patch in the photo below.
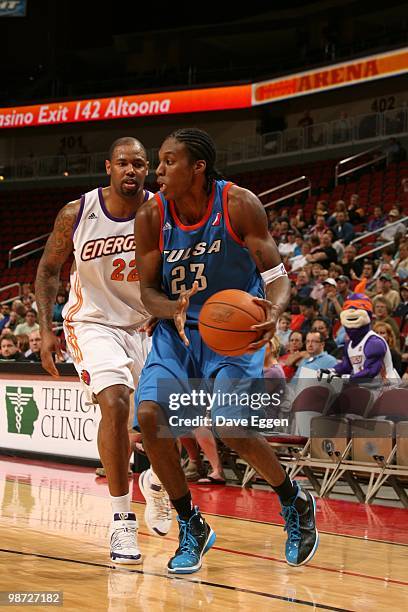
(13, 8)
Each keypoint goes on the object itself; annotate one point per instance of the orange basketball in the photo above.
(226, 319)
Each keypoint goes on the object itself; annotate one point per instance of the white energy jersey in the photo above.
(104, 281)
(357, 357)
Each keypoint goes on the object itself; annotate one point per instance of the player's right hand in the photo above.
(180, 313)
(50, 344)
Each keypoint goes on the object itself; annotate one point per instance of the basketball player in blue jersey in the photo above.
(197, 236)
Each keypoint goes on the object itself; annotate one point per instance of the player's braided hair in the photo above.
(200, 145)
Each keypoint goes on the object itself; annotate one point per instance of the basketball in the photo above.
(226, 319)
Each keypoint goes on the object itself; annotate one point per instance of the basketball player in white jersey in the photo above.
(101, 322)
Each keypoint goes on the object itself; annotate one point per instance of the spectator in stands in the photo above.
(386, 291)
(272, 217)
(11, 323)
(321, 325)
(299, 261)
(390, 233)
(324, 253)
(18, 307)
(194, 471)
(330, 306)
(306, 120)
(378, 220)
(318, 289)
(60, 301)
(342, 130)
(339, 207)
(30, 324)
(382, 313)
(402, 308)
(343, 287)
(317, 358)
(355, 213)
(349, 263)
(288, 247)
(401, 261)
(33, 354)
(26, 290)
(322, 208)
(343, 230)
(394, 151)
(386, 262)
(5, 315)
(27, 301)
(316, 269)
(272, 367)
(9, 349)
(335, 270)
(309, 311)
(298, 222)
(319, 228)
(283, 328)
(303, 285)
(293, 355)
(385, 330)
(22, 343)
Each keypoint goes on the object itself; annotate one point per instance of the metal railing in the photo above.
(380, 247)
(7, 288)
(307, 188)
(317, 137)
(363, 164)
(379, 230)
(320, 136)
(22, 245)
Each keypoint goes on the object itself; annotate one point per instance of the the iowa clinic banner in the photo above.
(13, 8)
(48, 417)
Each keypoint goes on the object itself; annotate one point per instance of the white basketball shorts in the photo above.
(104, 356)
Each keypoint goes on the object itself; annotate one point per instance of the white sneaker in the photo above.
(123, 538)
(158, 508)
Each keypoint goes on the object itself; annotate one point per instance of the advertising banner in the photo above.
(103, 109)
(331, 77)
(49, 417)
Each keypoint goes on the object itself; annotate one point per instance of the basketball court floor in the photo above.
(54, 522)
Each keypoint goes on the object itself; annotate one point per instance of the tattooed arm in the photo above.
(57, 250)
(249, 222)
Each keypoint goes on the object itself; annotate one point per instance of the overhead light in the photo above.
(65, 173)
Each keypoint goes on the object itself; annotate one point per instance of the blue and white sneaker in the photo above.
(300, 524)
(195, 539)
(123, 539)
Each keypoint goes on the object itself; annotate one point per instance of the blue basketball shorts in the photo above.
(194, 382)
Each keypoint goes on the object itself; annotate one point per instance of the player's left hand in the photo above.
(268, 327)
(149, 326)
(180, 313)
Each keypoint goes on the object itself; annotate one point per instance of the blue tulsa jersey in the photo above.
(209, 252)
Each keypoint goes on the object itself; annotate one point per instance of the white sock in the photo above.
(154, 479)
(121, 503)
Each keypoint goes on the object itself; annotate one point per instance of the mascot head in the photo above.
(357, 311)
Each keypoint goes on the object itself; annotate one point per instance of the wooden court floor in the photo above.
(54, 523)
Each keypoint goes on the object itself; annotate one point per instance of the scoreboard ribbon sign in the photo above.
(13, 8)
(209, 99)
